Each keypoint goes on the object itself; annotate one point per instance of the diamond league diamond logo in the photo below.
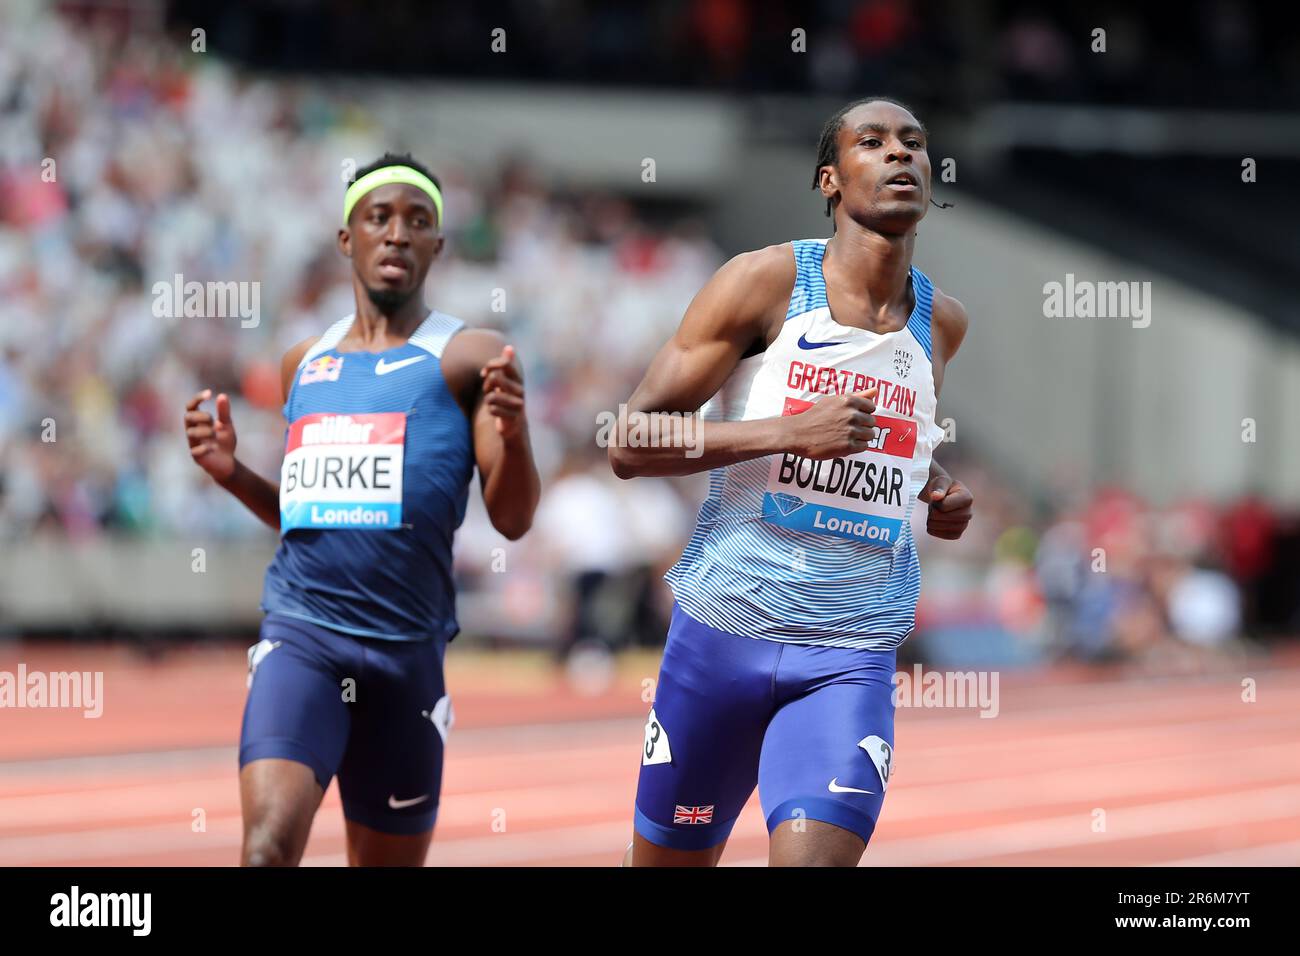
(788, 504)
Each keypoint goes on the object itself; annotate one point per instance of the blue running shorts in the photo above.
(812, 727)
(374, 712)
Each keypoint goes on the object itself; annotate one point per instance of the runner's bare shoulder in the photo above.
(750, 291)
(289, 364)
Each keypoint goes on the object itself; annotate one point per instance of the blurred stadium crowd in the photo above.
(165, 167)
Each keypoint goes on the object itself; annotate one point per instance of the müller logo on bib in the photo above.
(343, 471)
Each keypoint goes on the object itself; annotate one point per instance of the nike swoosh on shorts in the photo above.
(401, 804)
(834, 787)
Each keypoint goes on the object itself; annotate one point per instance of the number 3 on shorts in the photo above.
(881, 754)
(656, 749)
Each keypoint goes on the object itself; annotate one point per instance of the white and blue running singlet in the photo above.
(818, 552)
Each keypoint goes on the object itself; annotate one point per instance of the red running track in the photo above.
(1078, 768)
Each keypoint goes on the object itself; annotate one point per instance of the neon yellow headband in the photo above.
(385, 176)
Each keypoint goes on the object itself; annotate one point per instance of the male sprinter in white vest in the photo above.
(820, 362)
(389, 413)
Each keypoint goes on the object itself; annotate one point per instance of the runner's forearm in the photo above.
(512, 490)
(669, 444)
(258, 495)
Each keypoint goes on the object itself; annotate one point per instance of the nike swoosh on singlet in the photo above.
(399, 804)
(383, 369)
(805, 344)
(834, 787)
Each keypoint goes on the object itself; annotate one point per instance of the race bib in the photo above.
(862, 496)
(343, 471)
(655, 748)
(881, 754)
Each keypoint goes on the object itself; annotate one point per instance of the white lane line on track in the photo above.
(1034, 787)
(1074, 830)
(570, 732)
(216, 795)
(514, 848)
(1164, 699)
(950, 846)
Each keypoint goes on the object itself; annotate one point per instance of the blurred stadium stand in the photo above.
(1074, 435)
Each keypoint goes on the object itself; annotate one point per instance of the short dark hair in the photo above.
(393, 159)
(828, 147)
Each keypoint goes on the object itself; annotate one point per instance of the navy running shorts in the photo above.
(374, 712)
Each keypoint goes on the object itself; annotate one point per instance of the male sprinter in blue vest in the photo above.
(821, 362)
(389, 412)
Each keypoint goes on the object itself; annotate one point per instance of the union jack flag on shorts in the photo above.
(693, 814)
